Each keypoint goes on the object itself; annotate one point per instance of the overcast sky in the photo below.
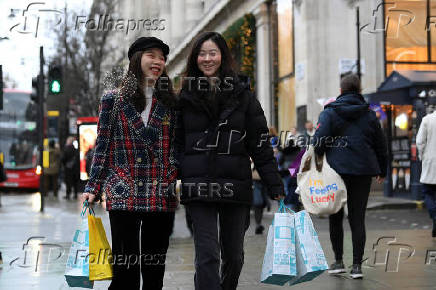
(20, 54)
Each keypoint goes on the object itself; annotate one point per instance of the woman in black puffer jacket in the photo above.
(222, 125)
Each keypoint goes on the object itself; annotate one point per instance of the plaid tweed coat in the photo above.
(134, 165)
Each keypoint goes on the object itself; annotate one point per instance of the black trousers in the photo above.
(133, 256)
(219, 230)
(358, 188)
(71, 182)
(429, 191)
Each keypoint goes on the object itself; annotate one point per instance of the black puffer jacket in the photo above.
(351, 136)
(215, 151)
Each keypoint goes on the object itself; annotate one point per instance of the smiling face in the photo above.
(209, 58)
(152, 65)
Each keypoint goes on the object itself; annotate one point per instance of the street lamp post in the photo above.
(41, 124)
(359, 74)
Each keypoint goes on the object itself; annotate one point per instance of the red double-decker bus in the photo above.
(19, 140)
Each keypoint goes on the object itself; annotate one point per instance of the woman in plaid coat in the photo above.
(134, 167)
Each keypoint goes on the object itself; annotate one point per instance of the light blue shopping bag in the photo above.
(311, 261)
(77, 268)
(279, 263)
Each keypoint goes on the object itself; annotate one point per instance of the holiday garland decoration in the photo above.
(241, 39)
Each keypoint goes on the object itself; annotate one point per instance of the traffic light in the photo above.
(55, 85)
(34, 95)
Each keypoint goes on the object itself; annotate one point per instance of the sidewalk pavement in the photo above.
(383, 202)
(396, 259)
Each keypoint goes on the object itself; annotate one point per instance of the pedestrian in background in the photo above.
(51, 173)
(426, 145)
(70, 161)
(260, 200)
(217, 109)
(349, 133)
(88, 157)
(134, 167)
(287, 157)
(308, 132)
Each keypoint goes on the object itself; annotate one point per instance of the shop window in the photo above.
(301, 118)
(285, 64)
(410, 35)
(390, 67)
(285, 38)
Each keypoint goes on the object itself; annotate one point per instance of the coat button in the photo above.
(155, 182)
(140, 183)
(156, 160)
(139, 159)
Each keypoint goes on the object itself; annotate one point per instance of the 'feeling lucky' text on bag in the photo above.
(317, 187)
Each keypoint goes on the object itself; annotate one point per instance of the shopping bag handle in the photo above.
(87, 207)
(312, 159)
(284, 208)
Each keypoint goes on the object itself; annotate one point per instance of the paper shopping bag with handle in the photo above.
(279, 265)
(100, 254)
(311, 261)
(77, 268)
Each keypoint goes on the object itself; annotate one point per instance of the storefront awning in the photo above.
(401, 86)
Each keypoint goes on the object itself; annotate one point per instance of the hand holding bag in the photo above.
(77, 268)
(279, 265)
(321, 189)
(100, 254)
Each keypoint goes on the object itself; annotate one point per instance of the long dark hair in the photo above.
(227, 67)
(163, 87)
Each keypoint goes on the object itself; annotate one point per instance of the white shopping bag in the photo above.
(311, 261)
(322, 190)
(279, 264)
(77, 268)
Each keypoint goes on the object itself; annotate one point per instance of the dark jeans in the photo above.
(131, 259)
(233, 220)
(429, 191)
(358, 188)
(291, 198)
(258, 215)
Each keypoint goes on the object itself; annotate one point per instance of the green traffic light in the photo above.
(55, 87)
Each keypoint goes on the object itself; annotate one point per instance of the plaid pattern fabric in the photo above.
(134, 165)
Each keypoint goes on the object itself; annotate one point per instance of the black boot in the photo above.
(259, 229)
